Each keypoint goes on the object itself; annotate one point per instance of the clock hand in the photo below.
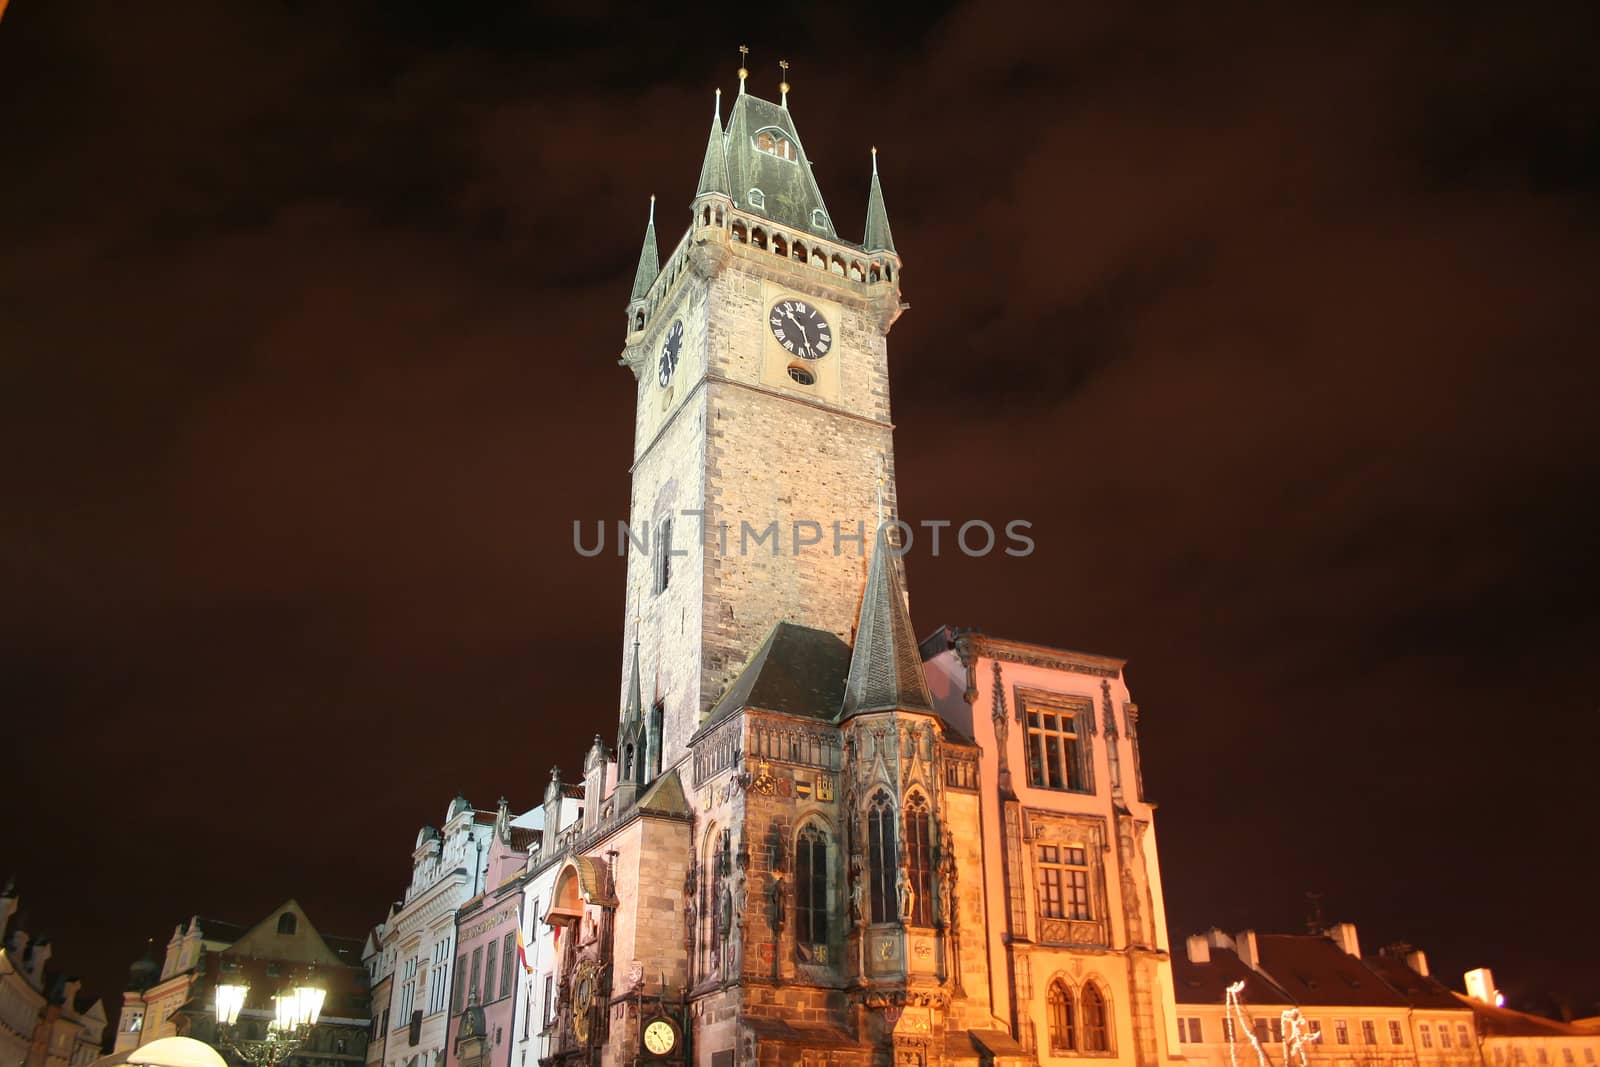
(805, 338)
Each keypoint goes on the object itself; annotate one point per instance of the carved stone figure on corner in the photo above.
(908, 896)
(775, 898)
(858, 889)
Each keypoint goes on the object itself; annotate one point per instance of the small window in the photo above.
(774, 142)
(1062, 1033)
(756, 198)
(1394, 1033)
(1064, 882)
(1341, 1032)
(1425, 1032)
(1227, 1030)
(1096, 1030)
(1444, 1035)
(1461, 1036)
(1566, 1056)
(287, 923)
(802, 375)
(1369, 1032)
(1544, 1057)
(663, 555)
(819, 219)
(1055, 760)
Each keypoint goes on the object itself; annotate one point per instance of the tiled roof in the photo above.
(1419, 990)
(885, 666)
(1312, 969)
(1207, 983)
(1505, 1022)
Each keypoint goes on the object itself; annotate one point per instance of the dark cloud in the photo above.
(1278, 327)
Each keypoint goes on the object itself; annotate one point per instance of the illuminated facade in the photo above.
(44, 1020)
(816, 840)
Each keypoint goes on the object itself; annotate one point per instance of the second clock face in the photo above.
(800, 328)
(659, 1037)
(669, 351)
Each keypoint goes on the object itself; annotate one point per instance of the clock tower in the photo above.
(762, 434)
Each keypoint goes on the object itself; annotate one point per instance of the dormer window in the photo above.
(774, 142)
(819, 219)
(756, 198)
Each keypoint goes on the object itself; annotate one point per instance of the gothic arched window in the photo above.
(1059, 1003)
(881, 860)
(1096, 1027)
(287, 923)
(811, 885)
(919, 861)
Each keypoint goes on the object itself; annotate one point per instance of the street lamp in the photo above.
(295, 1013)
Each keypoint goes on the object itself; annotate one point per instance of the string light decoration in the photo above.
(1297, 1033)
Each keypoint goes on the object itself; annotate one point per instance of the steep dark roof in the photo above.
(714, 169)
(1207, 983)
(790, 193)
(796, 671)
(885, 666)
(877, 236)
(666, 796)
(1312, 969)
(1419, 990)
(649, 258)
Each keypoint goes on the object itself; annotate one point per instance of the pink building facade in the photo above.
(483, 996)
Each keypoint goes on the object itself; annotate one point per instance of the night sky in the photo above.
(1278, 328)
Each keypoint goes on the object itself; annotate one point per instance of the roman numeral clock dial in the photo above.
(669, 352)
(800, 329)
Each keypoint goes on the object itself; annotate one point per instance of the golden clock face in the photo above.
(582, 999)
(659, 1037)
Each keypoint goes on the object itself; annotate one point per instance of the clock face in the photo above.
(800, 329)
(659, 1037)
(669, 351)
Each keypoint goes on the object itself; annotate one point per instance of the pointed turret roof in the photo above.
(649, 258)
(878, 237)
(714, 171)
(633, 711)
(885, 666)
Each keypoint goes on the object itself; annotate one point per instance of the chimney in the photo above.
(1218, 939)
(36, 961)
(1417, 960)
(1199, 949)
(1244, 943)
(1480, 987)
(1344, 935)
(69, 995)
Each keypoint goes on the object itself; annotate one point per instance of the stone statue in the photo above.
(725, 913)
(858, 889)
(775, 896)
(908, 896)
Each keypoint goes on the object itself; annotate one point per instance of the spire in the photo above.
(783, 83)
(885, 666)
(634, 711)
(878, 238)
(714, 171)
(744, 72)
(649, 258)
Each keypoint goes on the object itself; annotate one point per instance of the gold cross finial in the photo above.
(744, 55)
(783, 83)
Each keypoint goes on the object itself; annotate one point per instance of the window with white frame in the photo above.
(1063, 882)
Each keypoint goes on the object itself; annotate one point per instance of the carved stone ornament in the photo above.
(764, 783)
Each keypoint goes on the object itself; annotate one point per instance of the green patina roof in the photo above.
(885, 665)
(649, 258)
(790, 192)
(714, 171)
(878, 237)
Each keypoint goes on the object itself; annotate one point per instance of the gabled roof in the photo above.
(789, 192)
(885, 666)
(305, 945)
(796, 671)
(666, 797)
(1506, 1022)
(1313, 969)
(1207, 983)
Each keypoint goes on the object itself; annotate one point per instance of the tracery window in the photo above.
(1096, 1029)
(774, 142)
(1062, 1036)
(881, 860)
(919, 861)
(811, 885)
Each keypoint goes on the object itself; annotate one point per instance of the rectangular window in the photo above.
(1064, 882)
(1262, 1035)
(1426, 1033)
(1566, 1056)
(1277, 1030)
(1499, 1054)
(1316, 1029)
(549, 999)
(1543, 1056)
(472, 985)
(1369, 1032)
(488, 975)
(508, 952)
(663, 554)
(1195, 1033)
(1227, 1030)
(461, 986)
(1054, 761)
(1394, 1033)
(1461, 1036)
(1341, 1031)
(1444, 1035)
(1588, 1054)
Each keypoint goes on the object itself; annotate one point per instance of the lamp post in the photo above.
(295, 1012)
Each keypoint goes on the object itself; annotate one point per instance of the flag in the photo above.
(522, 952)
